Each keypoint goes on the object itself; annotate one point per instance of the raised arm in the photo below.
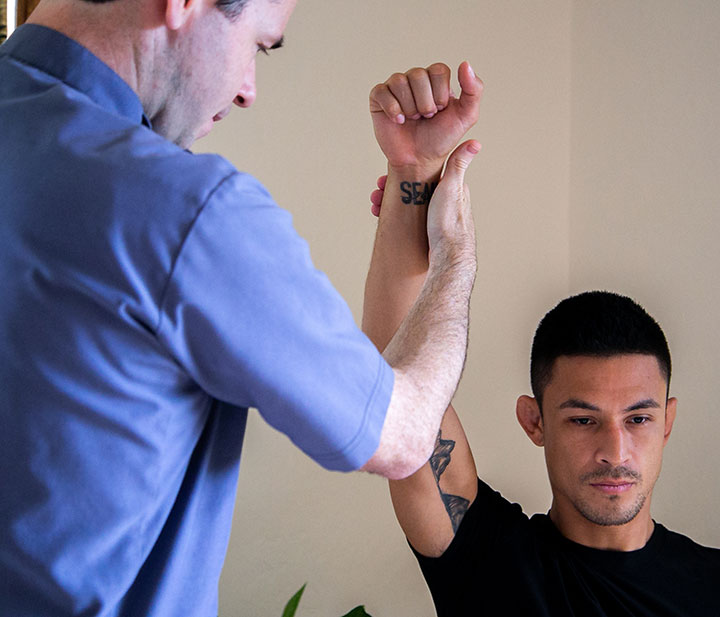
(430, 503)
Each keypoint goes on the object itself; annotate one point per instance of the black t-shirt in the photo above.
(503, 563)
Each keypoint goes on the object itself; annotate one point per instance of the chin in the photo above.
(611, 515)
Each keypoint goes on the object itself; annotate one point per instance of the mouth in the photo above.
(219, 116)
(610, 487)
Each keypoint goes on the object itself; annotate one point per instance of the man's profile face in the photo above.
(604, 426)
(214, 65)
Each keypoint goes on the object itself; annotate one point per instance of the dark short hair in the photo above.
(231, 8)
(595, 323)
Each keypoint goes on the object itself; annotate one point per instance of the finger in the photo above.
(375, 209)
(471, 94)
(459, 160)
(399, 86)
(383, 101)
(381, 182)
(439, 74)
(422, 92)
(376, 197)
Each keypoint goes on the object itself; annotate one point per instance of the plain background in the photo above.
(600, 169)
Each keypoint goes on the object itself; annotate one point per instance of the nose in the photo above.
(613, 448)
(247, 93)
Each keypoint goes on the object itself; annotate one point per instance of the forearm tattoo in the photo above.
(455, 505)
(417, 193)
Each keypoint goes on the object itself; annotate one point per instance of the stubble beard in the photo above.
(612, 512)
(168, 121)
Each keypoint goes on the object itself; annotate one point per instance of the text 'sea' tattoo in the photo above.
(417, 193)
(455, 505)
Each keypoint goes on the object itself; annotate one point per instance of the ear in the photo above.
(670, 411)
(530, 418)
(177, 12)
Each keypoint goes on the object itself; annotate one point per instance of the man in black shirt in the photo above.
(600, 372)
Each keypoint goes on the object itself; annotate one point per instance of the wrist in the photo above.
(421, 172)
(413, 184)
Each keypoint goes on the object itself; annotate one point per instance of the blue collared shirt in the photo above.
(149, 297)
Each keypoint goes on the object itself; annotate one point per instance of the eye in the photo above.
(276, 45)
(639, 420)
(581, 421)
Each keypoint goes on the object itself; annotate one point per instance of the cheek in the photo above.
(562, 458)
(569, 455)
(651, 455)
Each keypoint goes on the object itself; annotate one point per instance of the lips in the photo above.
(219, 116)
(612, 487)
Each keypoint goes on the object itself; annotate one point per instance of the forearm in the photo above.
(399, 261)
(431, 502)
(427, 354)
(417, 122)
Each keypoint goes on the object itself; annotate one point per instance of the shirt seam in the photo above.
(183, 243)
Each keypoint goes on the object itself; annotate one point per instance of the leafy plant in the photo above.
(292, 605)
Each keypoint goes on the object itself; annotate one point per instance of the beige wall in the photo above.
(560, 205)
(645, 213)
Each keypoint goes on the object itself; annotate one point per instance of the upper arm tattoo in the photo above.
(455, 505)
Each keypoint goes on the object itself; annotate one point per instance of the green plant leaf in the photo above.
(358, 611)
(292, 604)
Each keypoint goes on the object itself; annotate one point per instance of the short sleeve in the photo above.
(490, 527)
(256, 325)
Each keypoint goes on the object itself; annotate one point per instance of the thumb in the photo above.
(459, 160)
(472, 91)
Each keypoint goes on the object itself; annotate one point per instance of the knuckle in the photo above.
(416, 73)
(396, 79)
(393, 108)
(438, 69)
(377, 91)
(426, 107)
(460, 163)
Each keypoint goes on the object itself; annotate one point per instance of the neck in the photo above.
(629, 536)
(121, 34)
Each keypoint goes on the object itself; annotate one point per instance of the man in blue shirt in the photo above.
(150, 296)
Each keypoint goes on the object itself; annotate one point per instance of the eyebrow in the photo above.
(574, 403)
(648, 403)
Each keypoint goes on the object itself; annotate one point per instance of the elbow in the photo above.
(399, 461)
(408, 435)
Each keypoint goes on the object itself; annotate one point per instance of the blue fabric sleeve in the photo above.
(250, 318)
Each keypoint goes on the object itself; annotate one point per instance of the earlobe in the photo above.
(177, 12)
(528, 414)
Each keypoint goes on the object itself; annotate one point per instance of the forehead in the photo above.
(626, 375)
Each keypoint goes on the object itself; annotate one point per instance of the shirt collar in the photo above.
(54, 53)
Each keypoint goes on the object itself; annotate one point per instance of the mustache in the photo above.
(616, 473)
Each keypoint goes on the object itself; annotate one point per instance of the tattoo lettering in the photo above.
(417, 193)
(455, 505)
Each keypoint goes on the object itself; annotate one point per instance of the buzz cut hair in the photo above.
(595, 323)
